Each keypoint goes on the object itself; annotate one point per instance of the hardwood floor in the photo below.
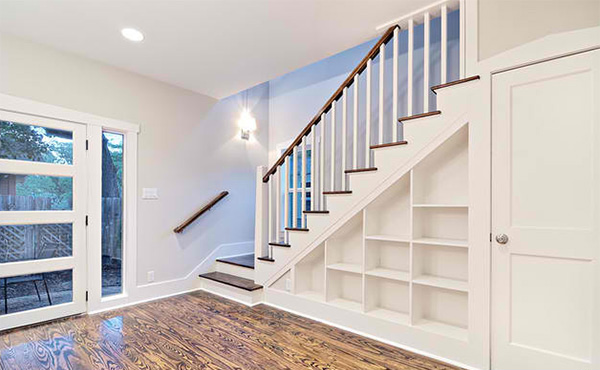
(198, 331)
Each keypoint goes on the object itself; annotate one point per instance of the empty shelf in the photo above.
(440, 282)
(347, 304)
(438, 241)
(389, 274)
(389, 238)
(389, 315)
(349, 267)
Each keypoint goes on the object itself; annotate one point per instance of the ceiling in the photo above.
(214, 47)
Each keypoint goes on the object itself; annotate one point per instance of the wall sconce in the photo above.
(247, 124)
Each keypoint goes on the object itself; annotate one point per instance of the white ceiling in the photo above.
(214, 47)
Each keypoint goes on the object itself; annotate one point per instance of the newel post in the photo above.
(262, 213)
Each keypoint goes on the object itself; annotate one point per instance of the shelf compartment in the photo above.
(348, 267)
(389, 238)
(310, 274)
(442, 311)
(441, 266)
(439, 282)
(312, 295)
(443, 242)
(344, 289)
(441, 223)
(443, 176)
(345, 246)
(387, 299)
(387, 259)
(389, 274)
(389, 213)
(440, 205)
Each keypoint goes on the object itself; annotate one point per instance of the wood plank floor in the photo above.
(198, 331)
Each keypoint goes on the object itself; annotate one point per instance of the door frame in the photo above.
(95, 125)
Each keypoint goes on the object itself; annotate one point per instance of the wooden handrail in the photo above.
(336, 95)
(202, 210)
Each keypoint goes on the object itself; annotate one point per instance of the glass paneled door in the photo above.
(43, 201)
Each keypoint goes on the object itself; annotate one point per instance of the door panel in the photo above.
(43, 200)
(546, 199)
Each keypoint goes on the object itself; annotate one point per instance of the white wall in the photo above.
(505, 24)
(189, 148)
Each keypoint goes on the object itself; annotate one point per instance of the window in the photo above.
(297, 165)
(112, 213)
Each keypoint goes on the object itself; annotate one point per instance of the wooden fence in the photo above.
(27, 242)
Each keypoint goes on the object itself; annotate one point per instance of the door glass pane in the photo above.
(112, 213)
(35, 242)
(27, 292)
(35, 143)
(35, 193)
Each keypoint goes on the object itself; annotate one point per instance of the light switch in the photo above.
(149, 193)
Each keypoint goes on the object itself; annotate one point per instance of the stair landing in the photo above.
(246, 260)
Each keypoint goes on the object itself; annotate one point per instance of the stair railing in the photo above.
(205, 208)
(329, 159)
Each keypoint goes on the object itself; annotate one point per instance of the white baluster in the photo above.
(444, 51)
(344, 122)
(271, 198)
(395, 87)
(368, 118)
(381, 86)
(295, 187)
(303, 206)
(286, 202)
(332, 158)
(411, 45)
(355, 125)
(426, 22)
(322, 164)
(278, 204)
(461, 38)
(313, 169)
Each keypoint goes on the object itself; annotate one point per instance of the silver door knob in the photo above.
(502, 238)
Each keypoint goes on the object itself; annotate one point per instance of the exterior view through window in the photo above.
(23, 192)
(112, 213)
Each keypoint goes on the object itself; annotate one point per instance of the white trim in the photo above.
(232, 299)
(129, 304)
(15, 104)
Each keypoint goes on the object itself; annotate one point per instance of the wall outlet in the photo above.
(149, 193)
(288, 284)
(150, 276)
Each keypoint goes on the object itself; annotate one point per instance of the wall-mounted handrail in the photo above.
(336, 95)
(201, 211)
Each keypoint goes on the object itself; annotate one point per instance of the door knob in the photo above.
(502, 238)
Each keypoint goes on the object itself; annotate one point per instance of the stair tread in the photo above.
(247, 260)
(468, 79)
(232, 280)
(361, 170)
(317, 212)
(420, 115)
(337, 192)
(266, 258)
(280, 244)
(296, 229)
(403, 142)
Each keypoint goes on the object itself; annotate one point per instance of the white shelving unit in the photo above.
(404, 258)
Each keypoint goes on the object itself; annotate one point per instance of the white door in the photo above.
(546, 200)
(42, 219)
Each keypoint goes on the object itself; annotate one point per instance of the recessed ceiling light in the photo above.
(132, 34)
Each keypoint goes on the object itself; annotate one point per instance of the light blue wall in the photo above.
(297, 96)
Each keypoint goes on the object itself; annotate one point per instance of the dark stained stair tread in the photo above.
(266, 258)
(389, 144)
(337, 192)
(361, 170)
(317, 212)
(420, 115)
(232, 280)
(280, 244)
(296, 229)
(246, 260)
(468, 79)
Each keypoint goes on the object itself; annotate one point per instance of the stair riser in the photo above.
(240, 271)
(451, 99)
(237, 294)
